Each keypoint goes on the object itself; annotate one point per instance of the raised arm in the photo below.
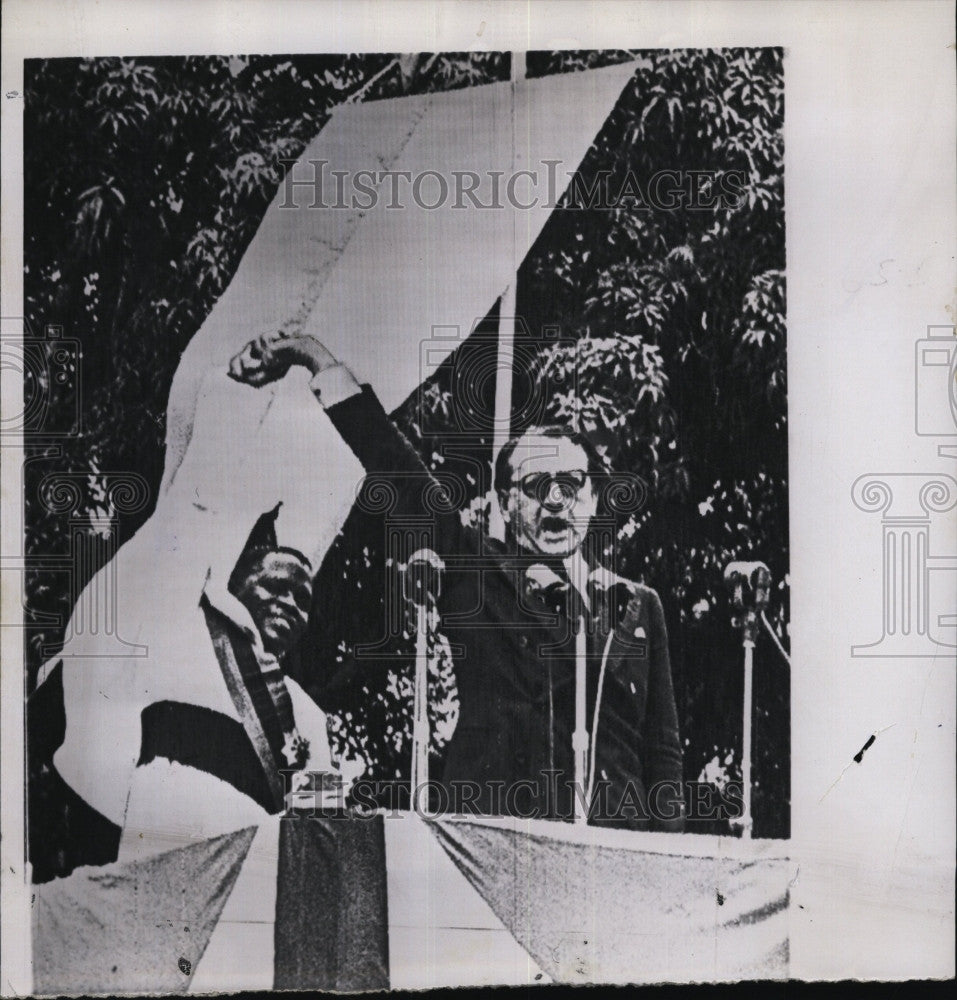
(390, 460)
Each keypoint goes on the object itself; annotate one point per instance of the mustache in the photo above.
(553, 523)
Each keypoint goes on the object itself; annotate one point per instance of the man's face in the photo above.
(277, 592)
(551, 499)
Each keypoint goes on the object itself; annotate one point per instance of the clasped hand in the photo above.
(268, 357)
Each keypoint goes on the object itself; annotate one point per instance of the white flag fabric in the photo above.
(140, 927)
(138, 636)
(410, 902)
(615, 906)
(374, 278)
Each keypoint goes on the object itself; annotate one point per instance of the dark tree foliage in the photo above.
(145, 180)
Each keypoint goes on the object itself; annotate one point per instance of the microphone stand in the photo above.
(422, 585)
(746, 820)
(580, 734)
(747, 580)
(420, 717)
(578, 604)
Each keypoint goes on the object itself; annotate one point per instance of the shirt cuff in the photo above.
(333, 385)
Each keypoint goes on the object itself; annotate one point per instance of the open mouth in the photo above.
(279, 624)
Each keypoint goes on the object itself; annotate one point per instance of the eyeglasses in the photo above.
(553, 489)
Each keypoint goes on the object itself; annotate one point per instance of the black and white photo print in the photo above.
(408, 497)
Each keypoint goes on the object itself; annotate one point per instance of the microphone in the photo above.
(749, 580)
(617, 589)
(555, 591)
(602, 578)
(422, 580)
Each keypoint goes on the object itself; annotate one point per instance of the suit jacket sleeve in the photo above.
(395, 468)
(663, 746)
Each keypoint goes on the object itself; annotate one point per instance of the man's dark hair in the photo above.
(252, 555)
(503, 463)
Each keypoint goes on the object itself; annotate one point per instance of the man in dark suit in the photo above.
(514, 613)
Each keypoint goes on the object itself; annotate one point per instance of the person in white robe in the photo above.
(159, 637)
